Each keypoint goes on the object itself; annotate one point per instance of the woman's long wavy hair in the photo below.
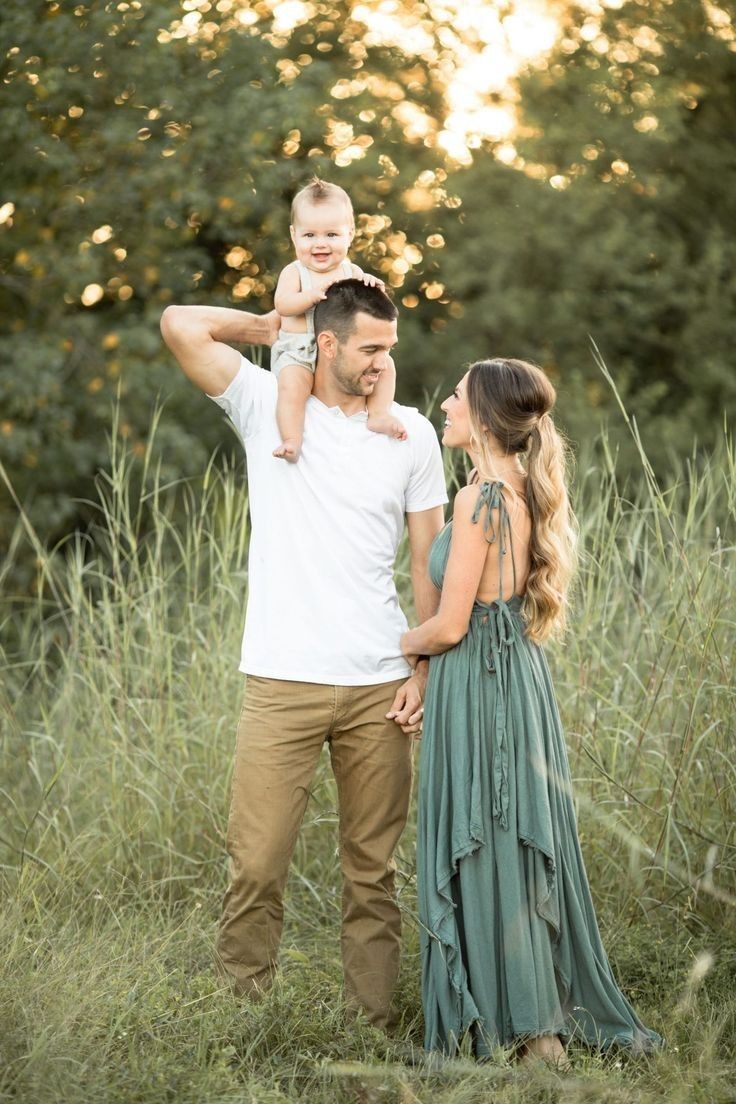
(509, 404)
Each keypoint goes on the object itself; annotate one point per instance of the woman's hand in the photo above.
(407, 709)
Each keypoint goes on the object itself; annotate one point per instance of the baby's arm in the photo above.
(289, 299)
(380, 418)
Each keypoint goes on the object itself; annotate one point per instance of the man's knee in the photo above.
(259, 872)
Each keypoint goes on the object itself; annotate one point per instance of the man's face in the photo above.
(360, 360)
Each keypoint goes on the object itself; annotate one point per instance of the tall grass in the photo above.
(119, 698)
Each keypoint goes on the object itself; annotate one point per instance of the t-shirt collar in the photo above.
(338, 412)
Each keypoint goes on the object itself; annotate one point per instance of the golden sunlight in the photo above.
(478, 48)
(474, 49)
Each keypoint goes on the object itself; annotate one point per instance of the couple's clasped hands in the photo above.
(407, 709)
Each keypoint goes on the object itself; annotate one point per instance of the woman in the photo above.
(510, 946)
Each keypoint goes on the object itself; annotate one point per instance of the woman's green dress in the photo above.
(510, 943)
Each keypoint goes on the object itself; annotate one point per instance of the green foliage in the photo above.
(149, 160)
(630, 123)
(119, 695)
(136, 160)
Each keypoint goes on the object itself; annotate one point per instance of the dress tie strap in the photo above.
(500, 635)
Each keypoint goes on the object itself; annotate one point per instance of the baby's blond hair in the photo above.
(320, 191)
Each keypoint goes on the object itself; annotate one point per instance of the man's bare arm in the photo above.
(200, 337)
(423, 526)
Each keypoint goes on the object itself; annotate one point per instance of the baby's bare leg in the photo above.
(380, 418)
(295, 387)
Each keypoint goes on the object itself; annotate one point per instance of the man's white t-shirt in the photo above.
(322, 604)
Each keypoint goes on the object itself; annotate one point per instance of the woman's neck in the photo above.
(506, 468)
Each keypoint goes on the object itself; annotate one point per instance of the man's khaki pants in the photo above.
(282, 728)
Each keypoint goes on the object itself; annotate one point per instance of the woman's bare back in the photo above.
(514, 495)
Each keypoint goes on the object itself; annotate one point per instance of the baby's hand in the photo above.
(320, 293)
(381, 421)
(372, 281)
(333, 278)
(316, 295)
(289, 449)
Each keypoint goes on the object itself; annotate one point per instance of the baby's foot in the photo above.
(289, 449)
(383, 422)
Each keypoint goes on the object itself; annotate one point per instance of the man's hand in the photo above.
(407, 709)
(273, 321)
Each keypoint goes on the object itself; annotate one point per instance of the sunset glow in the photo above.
(474, 49)
(479, 77)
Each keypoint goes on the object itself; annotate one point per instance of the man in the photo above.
(321, 643)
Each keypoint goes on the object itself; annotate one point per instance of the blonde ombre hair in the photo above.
(509, 403)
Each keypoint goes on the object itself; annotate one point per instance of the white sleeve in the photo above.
(249, 400)
(426, 486)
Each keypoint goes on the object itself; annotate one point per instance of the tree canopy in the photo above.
(151, 151)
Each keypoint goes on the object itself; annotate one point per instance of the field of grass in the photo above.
(119, 696)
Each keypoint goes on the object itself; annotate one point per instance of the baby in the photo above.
(322, 228)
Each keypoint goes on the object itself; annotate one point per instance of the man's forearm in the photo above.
(202, 340)
(222, 324)
(426, 595)
(426, 604)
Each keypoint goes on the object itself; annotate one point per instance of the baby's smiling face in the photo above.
(322, 233)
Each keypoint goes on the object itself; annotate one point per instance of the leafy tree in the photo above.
(151, 151)
(614, 220)
(150, 158)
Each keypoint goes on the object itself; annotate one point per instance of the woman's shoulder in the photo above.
(466, 498)
(481, 492)
(487, 505)
(470, 500)
(501, 491)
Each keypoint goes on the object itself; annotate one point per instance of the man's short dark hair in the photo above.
(344, 300)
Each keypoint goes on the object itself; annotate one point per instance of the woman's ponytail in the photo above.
(510, 401)
(553, 536)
